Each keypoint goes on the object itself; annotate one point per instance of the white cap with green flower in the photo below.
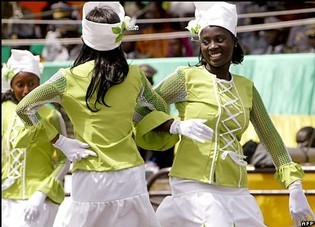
(19, 61)
(221, 14)
(100, 36)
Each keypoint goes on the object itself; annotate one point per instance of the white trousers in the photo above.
(194, 204)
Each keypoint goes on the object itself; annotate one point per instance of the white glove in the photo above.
(192, 128)
(33, 207)
(299, 207)
(74, 149)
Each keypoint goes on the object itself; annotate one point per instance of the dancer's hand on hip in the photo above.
(74, 149)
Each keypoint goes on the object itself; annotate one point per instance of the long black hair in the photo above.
(110, 67)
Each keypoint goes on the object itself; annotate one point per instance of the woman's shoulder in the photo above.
(134, 69)
(79, 70)
(190, 69)
(135, 72)
(8, 106)
(242, 81)
(241, 78)
(8, 103)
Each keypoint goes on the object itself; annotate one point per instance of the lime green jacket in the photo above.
(34, 168)
(110, 131)
(228, 106)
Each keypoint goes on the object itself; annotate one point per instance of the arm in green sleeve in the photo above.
(173, 88)
(286, 170)
(151, 112)
(36, 128)
(148, 101)
(53, 185)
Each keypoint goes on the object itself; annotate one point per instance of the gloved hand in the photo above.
(74, 149)
(192, 128)
(33, 207)
(299, 207)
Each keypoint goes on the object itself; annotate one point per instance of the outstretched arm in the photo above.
(289, 174)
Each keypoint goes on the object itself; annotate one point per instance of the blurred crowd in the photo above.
(294, 39)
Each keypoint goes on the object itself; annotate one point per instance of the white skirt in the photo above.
(13, 214)
(108, 199)
(195, 204)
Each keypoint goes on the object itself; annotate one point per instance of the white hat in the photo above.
(221, 14)
(19, 61)
(100, 36)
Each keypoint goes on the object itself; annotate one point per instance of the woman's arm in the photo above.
(50, 91)
(36, 128)
(267, 132)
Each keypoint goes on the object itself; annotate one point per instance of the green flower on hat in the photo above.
(127, 24)
(193, 27)
(7, 72)
(119, 31)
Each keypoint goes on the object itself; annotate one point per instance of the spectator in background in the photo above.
(180, 10)
(180, 47)
(253, 42)
(297, 40)
(46, 14)
(310, 35)
(21, 31)
(155, 48)
(54, 50)
(134, 9)
(257, 155)
(305, 138)
(276, 38)
(129, 48)
(6, 12)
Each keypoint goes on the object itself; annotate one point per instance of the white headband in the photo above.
(100, 36)
(20, 61)
(221, 14)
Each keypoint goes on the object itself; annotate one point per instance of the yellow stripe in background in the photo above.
(287, 126)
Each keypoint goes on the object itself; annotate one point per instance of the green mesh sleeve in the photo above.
(152, 111)
(286, 170)
(148, 101)
(267, 132)
(173, 88)
(50, 91)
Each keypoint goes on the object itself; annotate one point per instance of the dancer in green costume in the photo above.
(209, 179)
(104, 98)
(32, 177)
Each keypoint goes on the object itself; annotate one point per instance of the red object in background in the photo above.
(37, 7)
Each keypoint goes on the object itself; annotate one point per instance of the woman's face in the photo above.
(217, 46)
(23, 83)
